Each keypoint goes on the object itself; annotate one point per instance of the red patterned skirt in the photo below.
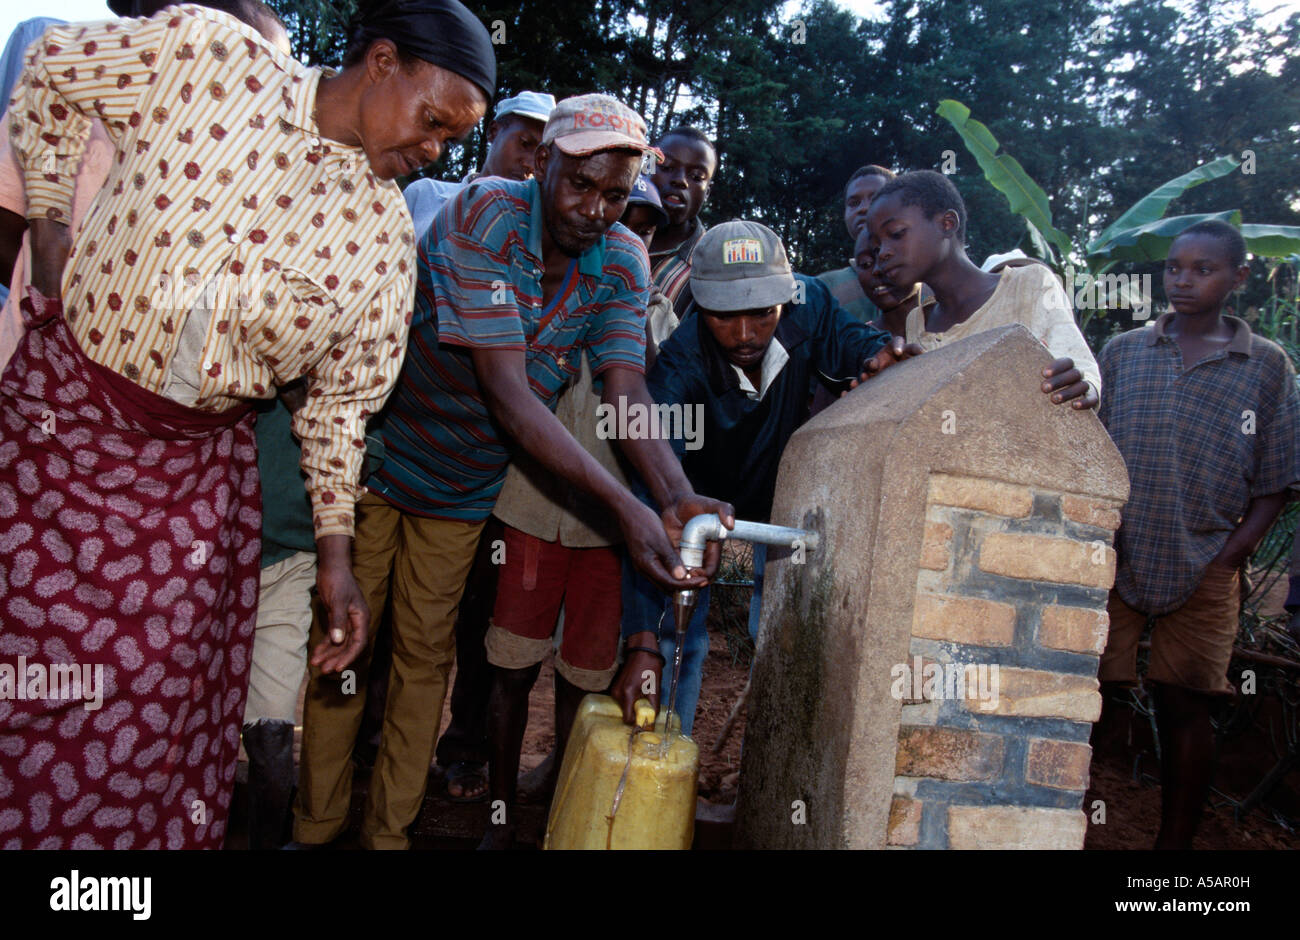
(130, 539)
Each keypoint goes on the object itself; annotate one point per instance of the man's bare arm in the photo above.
(1260, 516)
(349, 615)
(50, 243)
(502, 377)
(659, 467)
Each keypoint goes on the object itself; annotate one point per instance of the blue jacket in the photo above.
(743, 439)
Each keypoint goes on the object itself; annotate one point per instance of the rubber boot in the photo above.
(271, 780)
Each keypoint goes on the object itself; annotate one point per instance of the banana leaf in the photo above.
(1152, 206)
(1272, 241)
(1151, 242)
(1038, 246)
(1004, 173)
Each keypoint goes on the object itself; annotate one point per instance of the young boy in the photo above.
(917, 234)
(890, 305)
(684, 178)
(1206, 416)
(844, 283)
(644, 214)
(893, 304)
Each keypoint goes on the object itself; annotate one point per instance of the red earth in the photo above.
(1125, 772)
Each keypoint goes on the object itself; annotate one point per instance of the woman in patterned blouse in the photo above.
(249, 233)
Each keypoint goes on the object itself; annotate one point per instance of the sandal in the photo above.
(468, 776)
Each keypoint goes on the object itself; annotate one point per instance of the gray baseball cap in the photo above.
(740, 266)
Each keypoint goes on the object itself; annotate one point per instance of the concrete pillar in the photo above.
(927, 678)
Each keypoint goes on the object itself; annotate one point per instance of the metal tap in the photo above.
(697, 533)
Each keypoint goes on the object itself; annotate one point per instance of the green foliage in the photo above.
(317, 28)
(1141, 234)
(1278, 317)
(1006, 175)
(1150, 242)
(1272, 241)
(1152, 206)
(1096, 100)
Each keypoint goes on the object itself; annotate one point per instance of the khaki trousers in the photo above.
(426, 562)
(1191, 647)
(284, 613)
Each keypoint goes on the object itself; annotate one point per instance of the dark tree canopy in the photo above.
(1100, 100)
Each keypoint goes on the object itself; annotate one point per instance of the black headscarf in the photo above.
(443, 32)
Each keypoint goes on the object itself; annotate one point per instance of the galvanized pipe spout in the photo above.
(706, 528)
(697, 533)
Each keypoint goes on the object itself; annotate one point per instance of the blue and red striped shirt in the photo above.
(480, 287)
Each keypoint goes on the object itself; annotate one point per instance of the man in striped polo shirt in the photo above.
(516, 281)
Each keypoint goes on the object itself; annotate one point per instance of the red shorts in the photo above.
(536, 580)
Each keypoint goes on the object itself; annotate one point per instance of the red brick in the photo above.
(904, 821)
(964, 620)
(1035, 693)
(1079, 629)
(1090, 511)
(1043, 558)
(949, 754)
(990, 496)
(936, 549)
(1015, 827)
(1060, 764)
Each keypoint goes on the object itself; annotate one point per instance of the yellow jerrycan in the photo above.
(622, 787)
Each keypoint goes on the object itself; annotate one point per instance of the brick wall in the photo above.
(1012, 577)
(952, 534)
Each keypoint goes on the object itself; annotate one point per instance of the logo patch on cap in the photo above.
(742, 251)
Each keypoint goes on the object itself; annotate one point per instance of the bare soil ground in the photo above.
(1125, 772)
(1125, 775)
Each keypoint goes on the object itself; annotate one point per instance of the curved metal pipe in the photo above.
(696, 534)
(709, 528)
